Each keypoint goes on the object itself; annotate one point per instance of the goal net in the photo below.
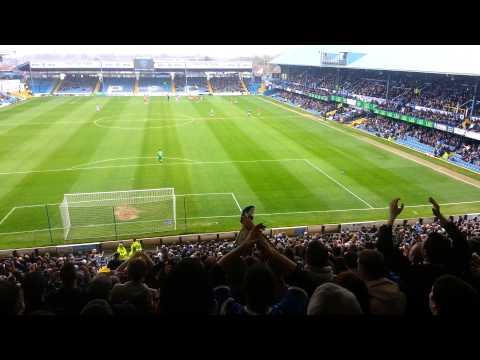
(116, 213)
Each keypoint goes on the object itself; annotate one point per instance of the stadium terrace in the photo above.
(141, 76)
(347, 183)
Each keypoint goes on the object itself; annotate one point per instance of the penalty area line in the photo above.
(338, 183)
(236, 202)
(8, 214)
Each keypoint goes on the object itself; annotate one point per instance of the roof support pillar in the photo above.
(474, 100)
(388, 87)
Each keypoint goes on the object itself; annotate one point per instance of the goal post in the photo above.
(131, 212)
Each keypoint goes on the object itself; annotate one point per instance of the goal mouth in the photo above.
(132, 209)
(126, 213)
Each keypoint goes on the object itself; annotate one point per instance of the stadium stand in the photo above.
(460, 151)
(455, 149)
(77, 85)
(179, 83)
(155, 85)
(431, 97)
(6, 100)
(226, 84)
(396, 269)
(198, 83)
(121, 86)
(42, 86)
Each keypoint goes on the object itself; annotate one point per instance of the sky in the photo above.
(215, 51)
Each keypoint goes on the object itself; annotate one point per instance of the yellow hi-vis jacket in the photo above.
(122, 251)
(136, 246)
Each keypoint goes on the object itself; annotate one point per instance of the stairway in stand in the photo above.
(56, 87)
(97, 87)
(210, 87)
(244, 87)
(136, 87)
(262, 88)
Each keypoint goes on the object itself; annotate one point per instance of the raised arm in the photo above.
(284, 263)
(460, 250)
(385, 237)
(245, 245)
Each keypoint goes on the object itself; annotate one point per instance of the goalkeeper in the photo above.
(160, 155)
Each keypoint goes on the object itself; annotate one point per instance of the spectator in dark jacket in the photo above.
(69, 299)
(10, 299)
(453, 297)
(440, 257)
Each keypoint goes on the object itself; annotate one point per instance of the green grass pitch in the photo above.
(294, 170)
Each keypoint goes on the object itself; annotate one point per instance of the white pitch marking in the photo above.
(236, 202)
(230, 216)
(127, 158)
(8, 214)
(325, 123)
(300, 212)
(336, 182)
(142, 165)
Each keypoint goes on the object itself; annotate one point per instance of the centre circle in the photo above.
(133, 122)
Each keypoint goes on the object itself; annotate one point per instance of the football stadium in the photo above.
(330, 180)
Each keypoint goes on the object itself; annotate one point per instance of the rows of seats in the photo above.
(198, 83)
(179, 83)
(118, 85)
(226, 84)
(252, 85)
(456, 159)
(42, 86)
(77, 85)
(7, 99)
(407, 91)
(163, 84)
(463, 151)
(415, 144)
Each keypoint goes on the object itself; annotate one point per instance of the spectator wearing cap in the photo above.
(331, 299)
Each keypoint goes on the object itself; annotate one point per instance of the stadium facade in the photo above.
(139, 77)
(388, 66)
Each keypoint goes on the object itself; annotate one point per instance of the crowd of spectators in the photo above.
(450, 119)
(433, 94)
(226, 84)
(441, 141)
(305, 102)
(405, 269)
(6, 99)
(80, 84)
(467, 149)
(199, 83)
